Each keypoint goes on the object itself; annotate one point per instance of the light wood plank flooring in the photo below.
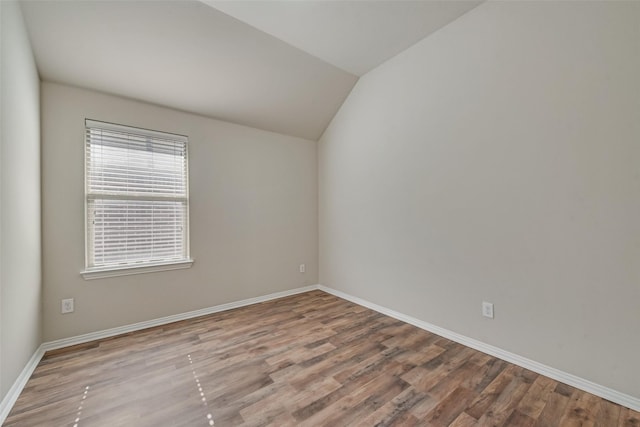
(307, 360)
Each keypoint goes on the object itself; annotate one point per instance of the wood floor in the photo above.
(307, 360)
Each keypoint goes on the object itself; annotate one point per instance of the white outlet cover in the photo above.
(487, 309)
(66, 306)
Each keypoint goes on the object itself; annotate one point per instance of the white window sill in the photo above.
(100, 273)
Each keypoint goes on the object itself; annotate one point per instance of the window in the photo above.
(137, 200)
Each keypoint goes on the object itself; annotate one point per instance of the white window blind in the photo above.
(137, 197)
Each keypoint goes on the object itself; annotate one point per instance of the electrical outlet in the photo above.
(487, 309)
(67, 306)
(303, 268)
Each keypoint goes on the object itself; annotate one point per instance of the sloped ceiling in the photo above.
(355, 36)
(288, 70)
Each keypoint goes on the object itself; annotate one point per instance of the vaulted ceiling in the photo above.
(282, 66)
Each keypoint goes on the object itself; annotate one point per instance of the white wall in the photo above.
(498, 160)
(20, 272)
(253, 215)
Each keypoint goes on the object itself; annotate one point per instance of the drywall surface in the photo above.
(20, 275)
(253, 215)
(498, 160)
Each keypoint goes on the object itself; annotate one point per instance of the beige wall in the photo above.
(498, 160)
(20, 273)
(253, 215)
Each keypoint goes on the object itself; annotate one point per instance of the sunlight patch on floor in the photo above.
(200, 390)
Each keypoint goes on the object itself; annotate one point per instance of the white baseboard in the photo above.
(15, 390)
(80, 339)
(556, 374)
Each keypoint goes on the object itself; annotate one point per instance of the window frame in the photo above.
(139, 267)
